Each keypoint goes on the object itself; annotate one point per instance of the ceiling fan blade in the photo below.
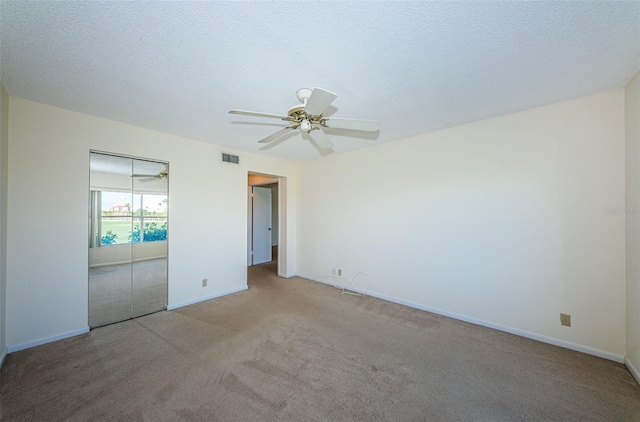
(276, 135)
(321, 139)
(148, 179)
(319, 101)
(144, 175)
(258, 114)
(355, 124)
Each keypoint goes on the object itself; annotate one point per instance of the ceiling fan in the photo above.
(309, 118)
(163, 175)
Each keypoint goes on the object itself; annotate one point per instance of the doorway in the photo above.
(263, 228)
(128, 237)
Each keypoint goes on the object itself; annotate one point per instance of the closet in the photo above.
(128, 237)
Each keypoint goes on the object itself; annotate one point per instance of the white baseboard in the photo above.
(34, 343)
(634, 371)
(202, 299)
(522, 333)
(287, 275)
(3, 356)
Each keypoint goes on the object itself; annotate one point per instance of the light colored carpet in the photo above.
(298, 350)
(114, 297)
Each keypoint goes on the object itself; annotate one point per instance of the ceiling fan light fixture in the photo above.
(305, 125)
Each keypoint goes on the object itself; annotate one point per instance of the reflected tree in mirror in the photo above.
(109, 238)
(152, 232)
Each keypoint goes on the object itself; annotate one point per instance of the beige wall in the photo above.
(207, 212)
(502, 222)
(4, 165)
(632, 134)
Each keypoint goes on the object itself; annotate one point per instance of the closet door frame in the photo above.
(94, 246)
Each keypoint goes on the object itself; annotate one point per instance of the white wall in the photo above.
(4, 165)
(207, 215)
(501, 221)
(632, 134)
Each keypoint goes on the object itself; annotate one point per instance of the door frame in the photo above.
(270, 179)
(262, 254)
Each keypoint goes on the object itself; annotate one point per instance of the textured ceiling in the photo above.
(178, 67)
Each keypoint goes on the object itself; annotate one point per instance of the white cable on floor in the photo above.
(347, 286)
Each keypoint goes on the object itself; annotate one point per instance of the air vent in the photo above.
(228, 158)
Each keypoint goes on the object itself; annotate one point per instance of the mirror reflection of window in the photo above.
(115, 218)
(150, 214)
(117, 211)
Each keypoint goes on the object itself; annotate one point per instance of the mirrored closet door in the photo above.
(128, 235)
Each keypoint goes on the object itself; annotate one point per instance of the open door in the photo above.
(261, 225)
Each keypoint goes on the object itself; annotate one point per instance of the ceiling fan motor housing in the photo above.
(303, 94)
(298, 116)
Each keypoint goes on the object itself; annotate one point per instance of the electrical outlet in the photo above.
(565, 319)
(204, 282)
(339, 272)
(333, 271)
